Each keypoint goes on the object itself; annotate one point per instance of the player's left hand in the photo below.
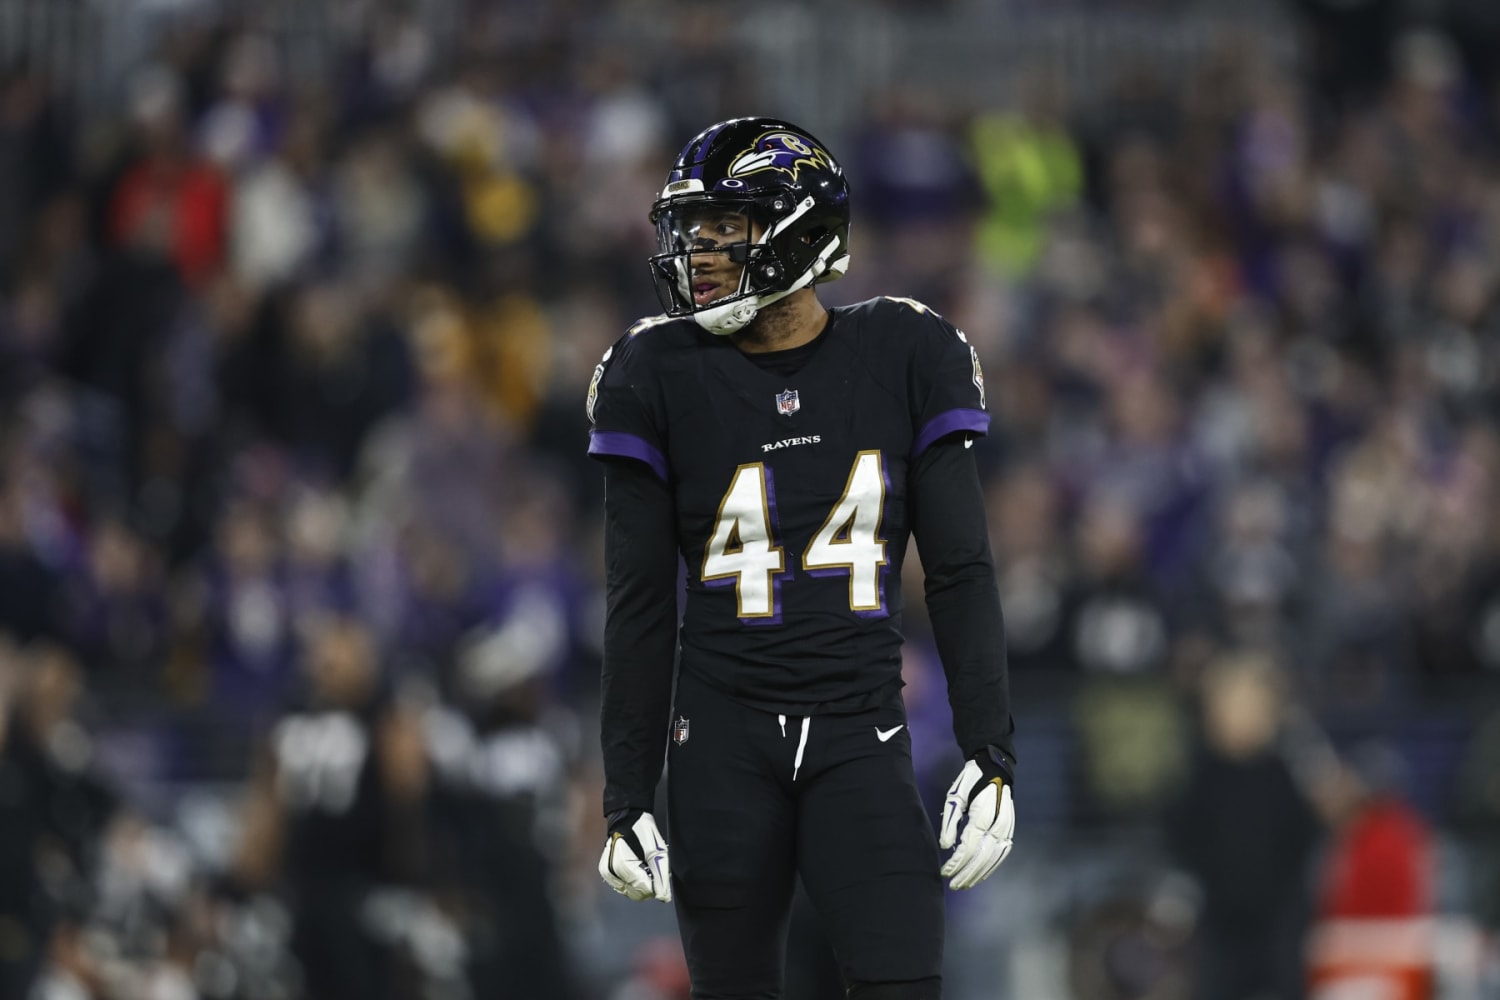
(634, 862)
(982, 792)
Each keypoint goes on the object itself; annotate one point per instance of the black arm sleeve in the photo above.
(640, 632)
(963, 597)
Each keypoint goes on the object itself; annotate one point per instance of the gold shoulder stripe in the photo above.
(920, 307)
(647, 323)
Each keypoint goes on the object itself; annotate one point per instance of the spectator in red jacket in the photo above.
(170, 200)
(1380, 864)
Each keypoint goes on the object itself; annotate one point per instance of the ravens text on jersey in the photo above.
(792, 519)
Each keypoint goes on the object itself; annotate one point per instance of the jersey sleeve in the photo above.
(963, 595)
(947, 384)
(624, 408)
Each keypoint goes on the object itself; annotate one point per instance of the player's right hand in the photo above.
(634, 862)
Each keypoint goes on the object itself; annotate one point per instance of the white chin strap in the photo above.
(732, 317)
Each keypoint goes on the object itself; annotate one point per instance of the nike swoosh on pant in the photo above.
(882, 736)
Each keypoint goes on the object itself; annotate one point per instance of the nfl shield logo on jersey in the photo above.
(787, 402)
(680, 731)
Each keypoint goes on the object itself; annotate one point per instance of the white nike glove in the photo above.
(634, 862)
(982, 792)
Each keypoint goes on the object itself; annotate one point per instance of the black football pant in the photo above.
(756, 799)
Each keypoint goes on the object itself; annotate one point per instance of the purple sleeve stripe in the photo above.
(628, 446)
(946, 423)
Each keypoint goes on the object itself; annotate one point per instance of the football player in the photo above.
(787, 450)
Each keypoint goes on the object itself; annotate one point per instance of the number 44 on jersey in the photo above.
(743, 548)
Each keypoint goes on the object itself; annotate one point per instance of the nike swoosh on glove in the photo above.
(634, 862)
(982, 792)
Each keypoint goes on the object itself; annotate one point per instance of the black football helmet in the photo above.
(793, 192)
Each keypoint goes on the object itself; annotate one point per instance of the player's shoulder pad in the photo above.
(647, 338)
(647, 323)
(901, 305)
(936, 345)
(661, 333)
(630, 360)
(907, 326)
(905, 318)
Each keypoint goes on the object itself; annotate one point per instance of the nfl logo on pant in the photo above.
(787, 402)
(680, 731)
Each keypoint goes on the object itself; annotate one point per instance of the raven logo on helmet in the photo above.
(782, 151)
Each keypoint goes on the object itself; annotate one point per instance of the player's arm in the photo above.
(963, 597)
(640, 558)
(949, 523)
(963, 604)
(640, 624)
(640, 555)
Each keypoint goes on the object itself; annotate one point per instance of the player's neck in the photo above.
(781, 326)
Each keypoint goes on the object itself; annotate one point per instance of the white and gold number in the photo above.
(742, 547)
(849, 540)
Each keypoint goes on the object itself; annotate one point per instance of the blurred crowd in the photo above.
(299, 545)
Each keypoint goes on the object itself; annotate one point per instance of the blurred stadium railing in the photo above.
(91, 47)
(823, 62)
(65, 37)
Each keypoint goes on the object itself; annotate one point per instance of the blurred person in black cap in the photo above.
(504, 756)
(1245, 831)
(54, 807)
(351, 782)
(30, 591)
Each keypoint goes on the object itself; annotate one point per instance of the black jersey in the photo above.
(791, 492)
